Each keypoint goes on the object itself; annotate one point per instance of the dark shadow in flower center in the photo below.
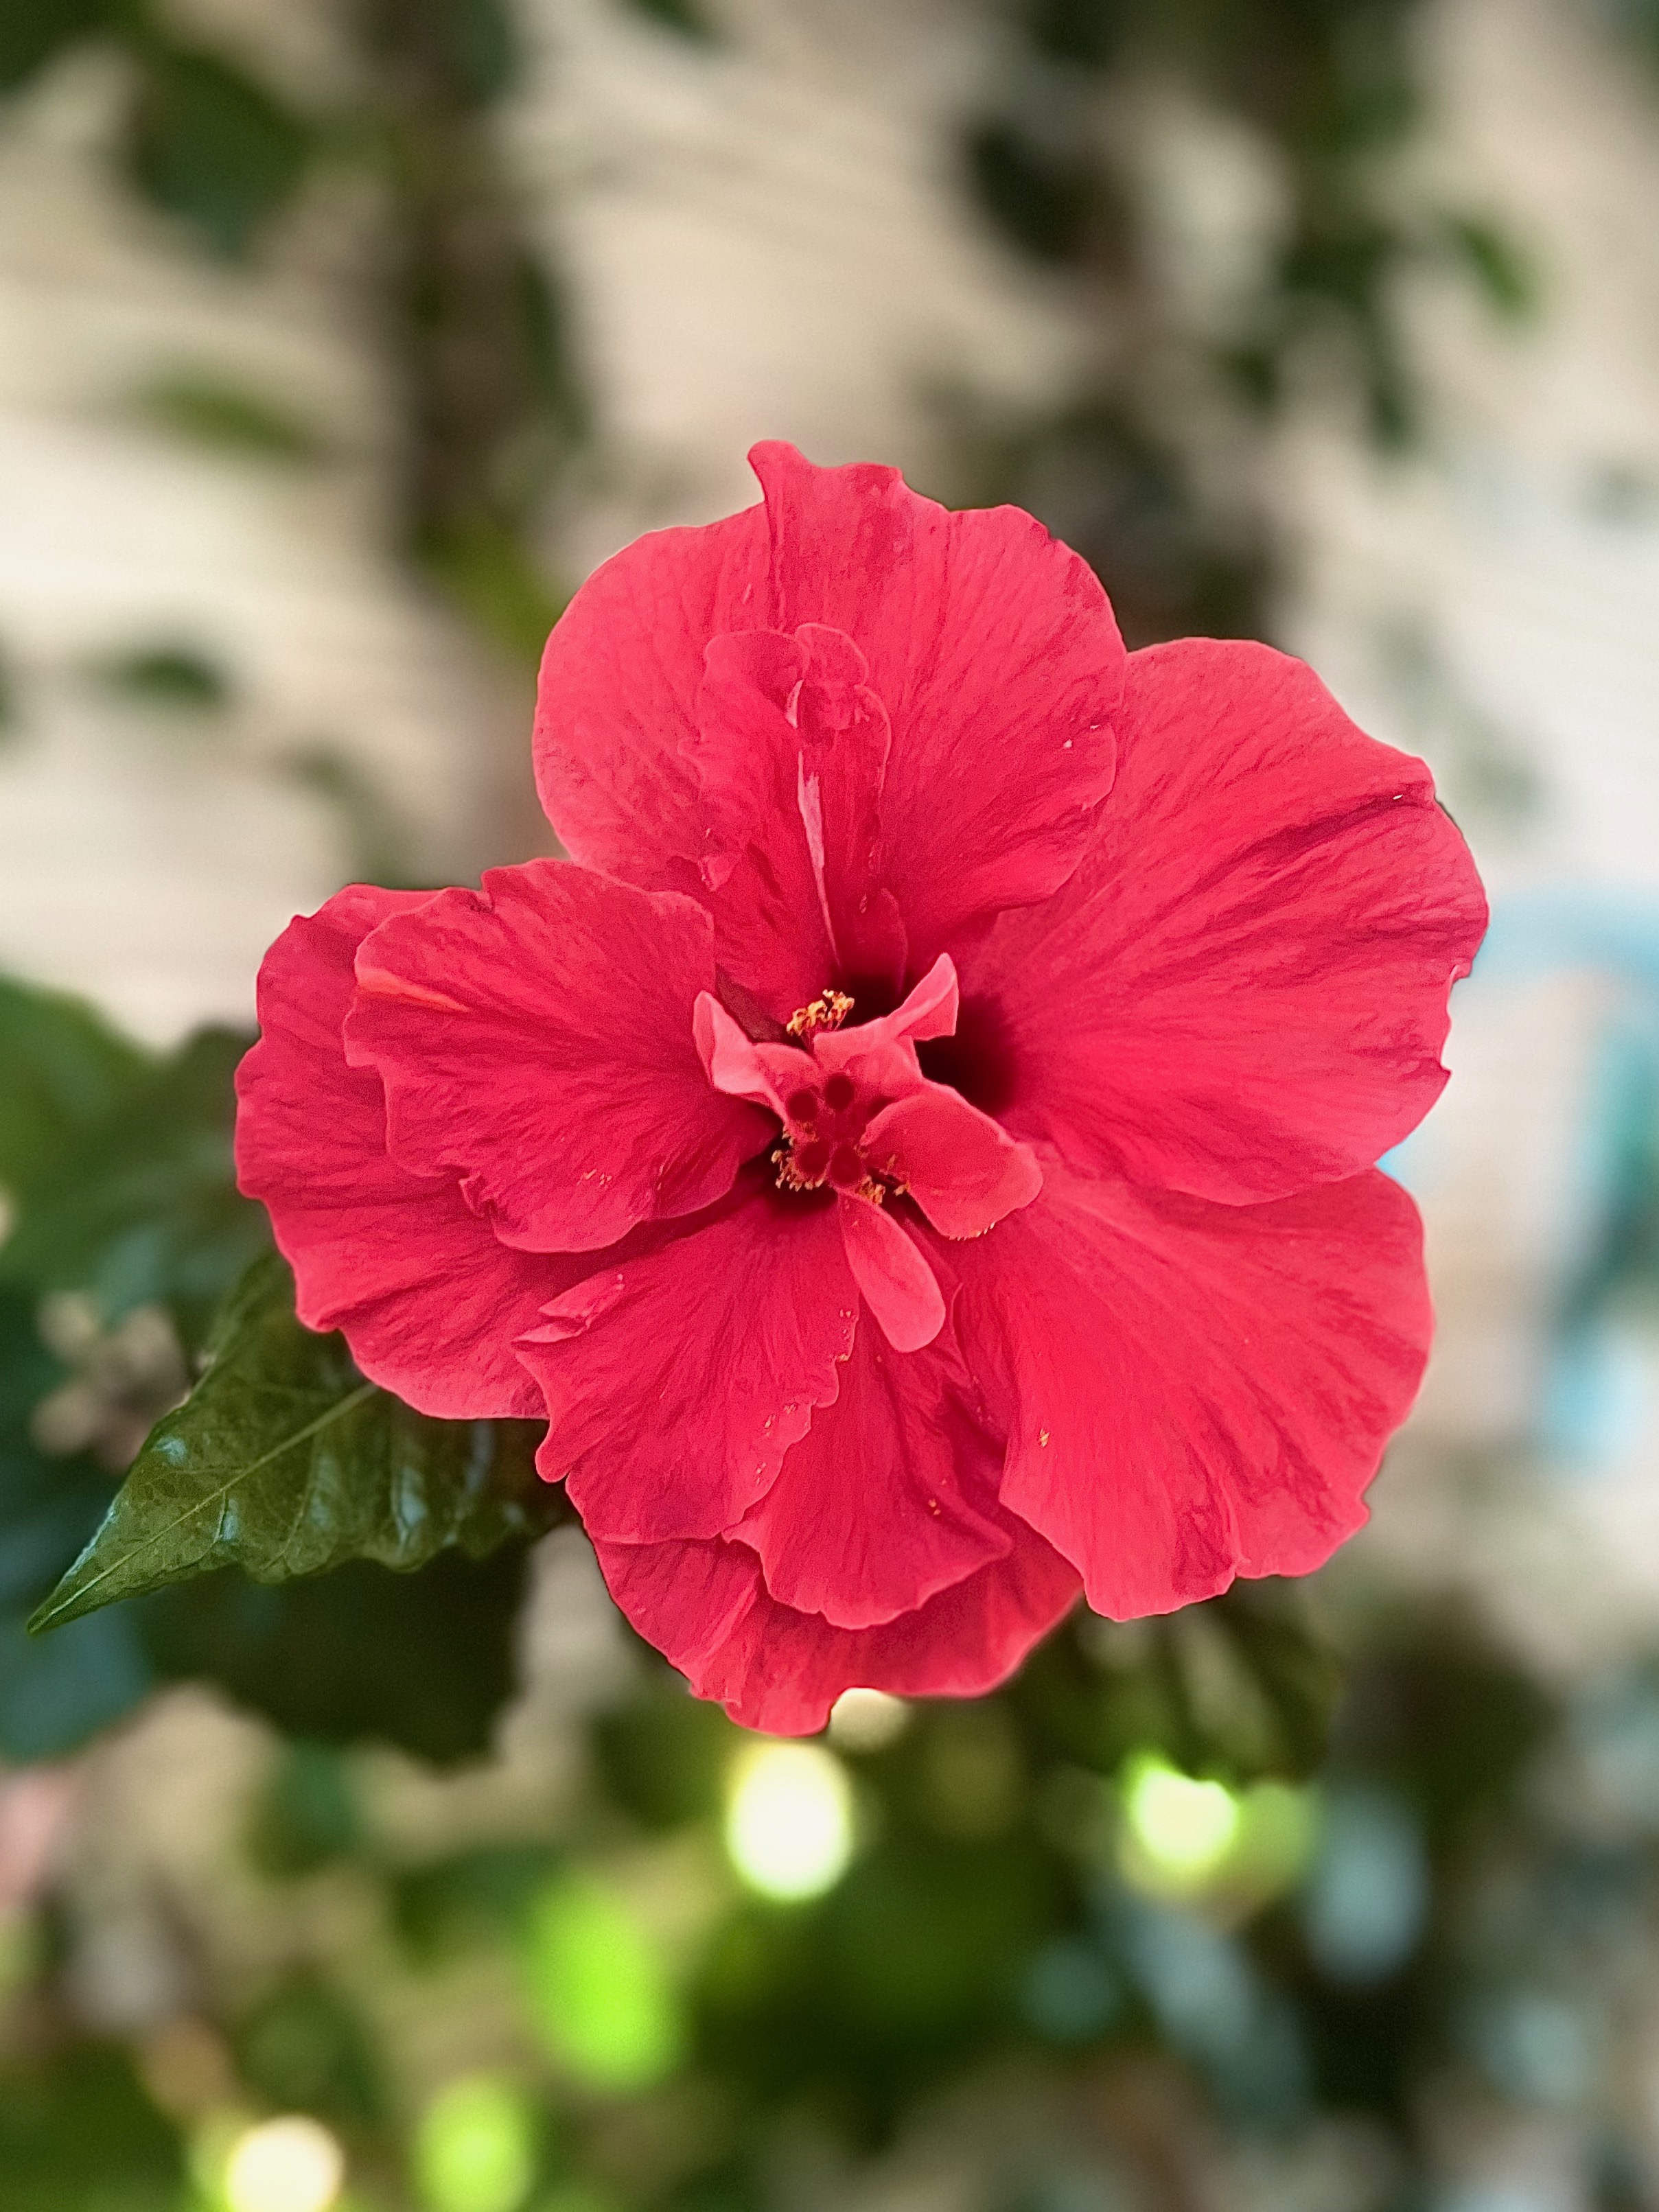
(979, 1061)
(873, 996)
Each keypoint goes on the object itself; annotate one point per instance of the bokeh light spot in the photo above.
(789, 1819)
(475, 2148)
(290, 2164)
(1182, 1827)
(868, 1720)
(599, 1990)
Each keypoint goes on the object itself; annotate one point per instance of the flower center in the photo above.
(825, 1113)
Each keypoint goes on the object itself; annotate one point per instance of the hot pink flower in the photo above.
(918, 1152)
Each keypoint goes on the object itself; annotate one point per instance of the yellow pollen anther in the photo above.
(827, 1012)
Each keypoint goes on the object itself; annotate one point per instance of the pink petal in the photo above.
(995, 654)
(732, 1061)
(615, 715)
(1243, 991)
(537, 1037)
(791, 751)
(707, 1608)
(757, 873)
(1195, 1391)
(963, 1169)
(991, 655)
(890, 1496)
(896, 1283)
(676, 1381)
(429, 1299)
(880, 1056)
(930, 1009)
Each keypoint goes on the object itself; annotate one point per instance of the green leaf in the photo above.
(597, 1987)
(138, 1205)
(77, 2130)
(54, 1695)
(1500, 265)
(285, 1462)
(684, 16)
(214, 148)
(495, 582)
(480, 39)
(304, 2048)
(425, 1661)
(175, 678)
(33, 31)
(211, 411)
(544, 309)
(66, 1072)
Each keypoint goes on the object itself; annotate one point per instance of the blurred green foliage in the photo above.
(80, 2133)
(495, 399)
(213, 410)
(284, 1462)
(1207, 1846)
(210, 145)
(116, 1170)
(171, 676)
(34, 33)
(683, 16)
(1328, 94)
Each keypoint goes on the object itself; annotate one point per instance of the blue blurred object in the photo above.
(1367, 1897)
(1068, 1992)
(1596, 1395)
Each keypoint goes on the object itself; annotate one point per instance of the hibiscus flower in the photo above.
(918, 1150)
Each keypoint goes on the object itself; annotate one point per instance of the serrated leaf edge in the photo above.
(67, 1602)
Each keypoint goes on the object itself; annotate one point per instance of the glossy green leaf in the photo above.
(284, 1462)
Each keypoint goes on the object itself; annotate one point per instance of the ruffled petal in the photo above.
(791, 752)
(890, 1496)
(675, 1381)
(429, 1299)
(892, 1273)
(1243, 991)
(995, 652)
(1195, 1391)
(617, 706)
(707, 1608)
(983, 732)
(963, 1169)
(536, 1037)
